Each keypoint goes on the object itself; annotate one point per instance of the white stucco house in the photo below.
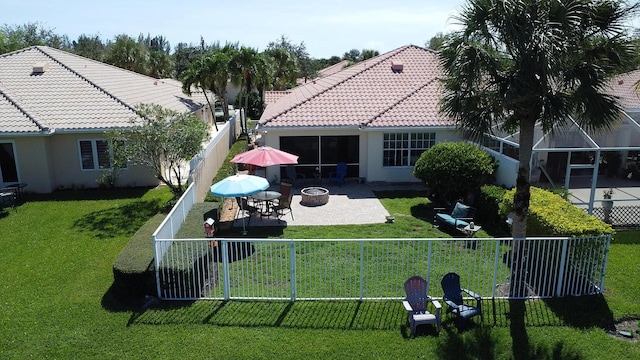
(378, 116)
(54, 109)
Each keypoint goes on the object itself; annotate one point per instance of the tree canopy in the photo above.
(163, 142)
(517, 63)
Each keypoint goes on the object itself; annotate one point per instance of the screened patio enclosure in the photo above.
(319, 155)
(575, 158)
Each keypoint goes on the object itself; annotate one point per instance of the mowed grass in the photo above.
(55, 276)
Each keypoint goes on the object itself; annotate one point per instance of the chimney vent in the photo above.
(40, 67)
(397, 66)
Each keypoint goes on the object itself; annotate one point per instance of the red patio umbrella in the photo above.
(265, 156)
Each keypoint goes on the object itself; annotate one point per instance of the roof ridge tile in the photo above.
(5, 94)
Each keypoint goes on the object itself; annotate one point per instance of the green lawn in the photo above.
(55, 300)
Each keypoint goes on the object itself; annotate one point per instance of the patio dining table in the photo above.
(265, 199)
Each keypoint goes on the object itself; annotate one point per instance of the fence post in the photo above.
(604, 265)
(495, 269)
(429, 265)
(157, 266)
(292, 268)
(361, 268)
(225, 269)
(563, 259)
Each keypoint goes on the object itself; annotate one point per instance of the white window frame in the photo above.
(94, 155)
(406, 143)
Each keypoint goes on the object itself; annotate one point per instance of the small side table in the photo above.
(471, 231)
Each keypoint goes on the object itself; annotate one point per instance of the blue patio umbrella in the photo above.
(239, 185)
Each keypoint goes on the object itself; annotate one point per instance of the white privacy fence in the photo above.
(362, 269)
(172, 223)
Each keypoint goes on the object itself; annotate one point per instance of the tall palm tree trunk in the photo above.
(520, 211)
(225, 104)
(246, 106)
(211, 109)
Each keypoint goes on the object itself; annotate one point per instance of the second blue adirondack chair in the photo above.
(338, 175)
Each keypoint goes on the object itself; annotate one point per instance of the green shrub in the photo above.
(488, 205)
(453, 169)
(551, 215)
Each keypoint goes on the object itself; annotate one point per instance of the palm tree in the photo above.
(286, 69)
(264, 77)
(159, 64)
(127, 54)
(243, 65)
(517, 63)
(218, 63)
(199, 75)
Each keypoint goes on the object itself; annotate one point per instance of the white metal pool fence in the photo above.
(364, 269)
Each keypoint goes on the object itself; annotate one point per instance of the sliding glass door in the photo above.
(8, 168)
(323, 153)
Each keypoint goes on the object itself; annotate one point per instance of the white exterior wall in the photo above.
(370, 154)
(32, 162)
(507, 172)
(67, 172)
(378, 173)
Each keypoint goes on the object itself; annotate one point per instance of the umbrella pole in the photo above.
(244, 230)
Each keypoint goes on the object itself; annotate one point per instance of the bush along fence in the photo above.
(364, 269)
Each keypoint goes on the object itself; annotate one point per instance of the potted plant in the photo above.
(607, 205)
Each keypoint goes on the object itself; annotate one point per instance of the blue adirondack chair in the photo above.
(338, 175)
(453, 297)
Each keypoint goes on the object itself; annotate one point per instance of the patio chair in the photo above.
(284, 205)
(453, 297)
(459, 217)
(416, 304)
(338, 175)
(243, 205)
(293, 175)
(285, 190)
(8, 197)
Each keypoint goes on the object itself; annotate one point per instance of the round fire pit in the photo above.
(314, 196)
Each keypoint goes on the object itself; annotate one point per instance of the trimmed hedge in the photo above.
(134, 268)
(551, 215)
(488, 205)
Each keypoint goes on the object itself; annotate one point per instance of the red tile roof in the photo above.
(272, 96)
(369, 93)
(623, 87)
(330, 70)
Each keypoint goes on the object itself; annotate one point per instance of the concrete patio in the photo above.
(351, 203)
(355, 203)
